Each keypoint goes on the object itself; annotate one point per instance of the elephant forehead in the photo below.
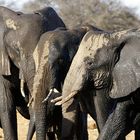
(89, 47)
(10, 23)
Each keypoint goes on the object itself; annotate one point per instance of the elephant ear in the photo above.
(4, 62)
(126, 73)
(4, 58)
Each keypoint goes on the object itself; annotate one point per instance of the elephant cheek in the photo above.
(101, 79)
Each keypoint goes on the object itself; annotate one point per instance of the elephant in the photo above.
(90, 79)
(51, 67)
(19, 34)
(125, 89)
(10, 100)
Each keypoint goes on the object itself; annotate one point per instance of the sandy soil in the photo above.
(23, 126)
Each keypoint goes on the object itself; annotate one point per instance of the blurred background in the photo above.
(105, 14)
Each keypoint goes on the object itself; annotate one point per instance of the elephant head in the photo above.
(91, 72)
(20, 33)
(61, 55)
(59, 48)
(97, 61)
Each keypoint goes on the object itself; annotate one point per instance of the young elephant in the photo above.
(91, 77)
(53, 57)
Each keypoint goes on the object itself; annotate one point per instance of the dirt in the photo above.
(23, 127)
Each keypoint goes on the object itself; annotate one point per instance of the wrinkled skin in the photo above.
(11, 99)
(97, 104)
(89, 81)
(61, 46)
(19, 35)
(126, 83)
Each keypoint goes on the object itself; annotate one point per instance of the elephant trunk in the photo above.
(39, 92)
(73, 83)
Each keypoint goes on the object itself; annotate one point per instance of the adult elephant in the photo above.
(19, 34)
(52, 67)
(89, 78)
(125, 89)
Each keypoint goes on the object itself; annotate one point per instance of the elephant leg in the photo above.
(7, 111)
(9, 124)
(69, 110)
(82, 133)
(103, 106)
(31, 128)
(118, 124)
(137, 126)
(21, 104)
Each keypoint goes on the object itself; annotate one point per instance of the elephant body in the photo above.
(53, 57)
(90, 80)
(19, 34)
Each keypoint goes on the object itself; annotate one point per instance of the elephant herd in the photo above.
(55, 76)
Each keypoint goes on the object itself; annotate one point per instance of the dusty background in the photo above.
(23, 126)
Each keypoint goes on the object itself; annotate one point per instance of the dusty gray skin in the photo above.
(19, 34)
(93, 78)
(52, 67)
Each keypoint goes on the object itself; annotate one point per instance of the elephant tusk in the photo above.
(51, 91)
(30, 101)
(71, 95)
(22, 87)
(55, 90)
(45, 100)
(56, 99)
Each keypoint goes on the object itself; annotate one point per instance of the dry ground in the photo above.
(23, 125)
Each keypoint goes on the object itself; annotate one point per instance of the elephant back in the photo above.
(51, 18)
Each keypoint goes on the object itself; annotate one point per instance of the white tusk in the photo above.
(30, 102)
(51, 90)
(58, 103)
(56, 99)
(55, 90)
(71, 95)
(22, 87)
